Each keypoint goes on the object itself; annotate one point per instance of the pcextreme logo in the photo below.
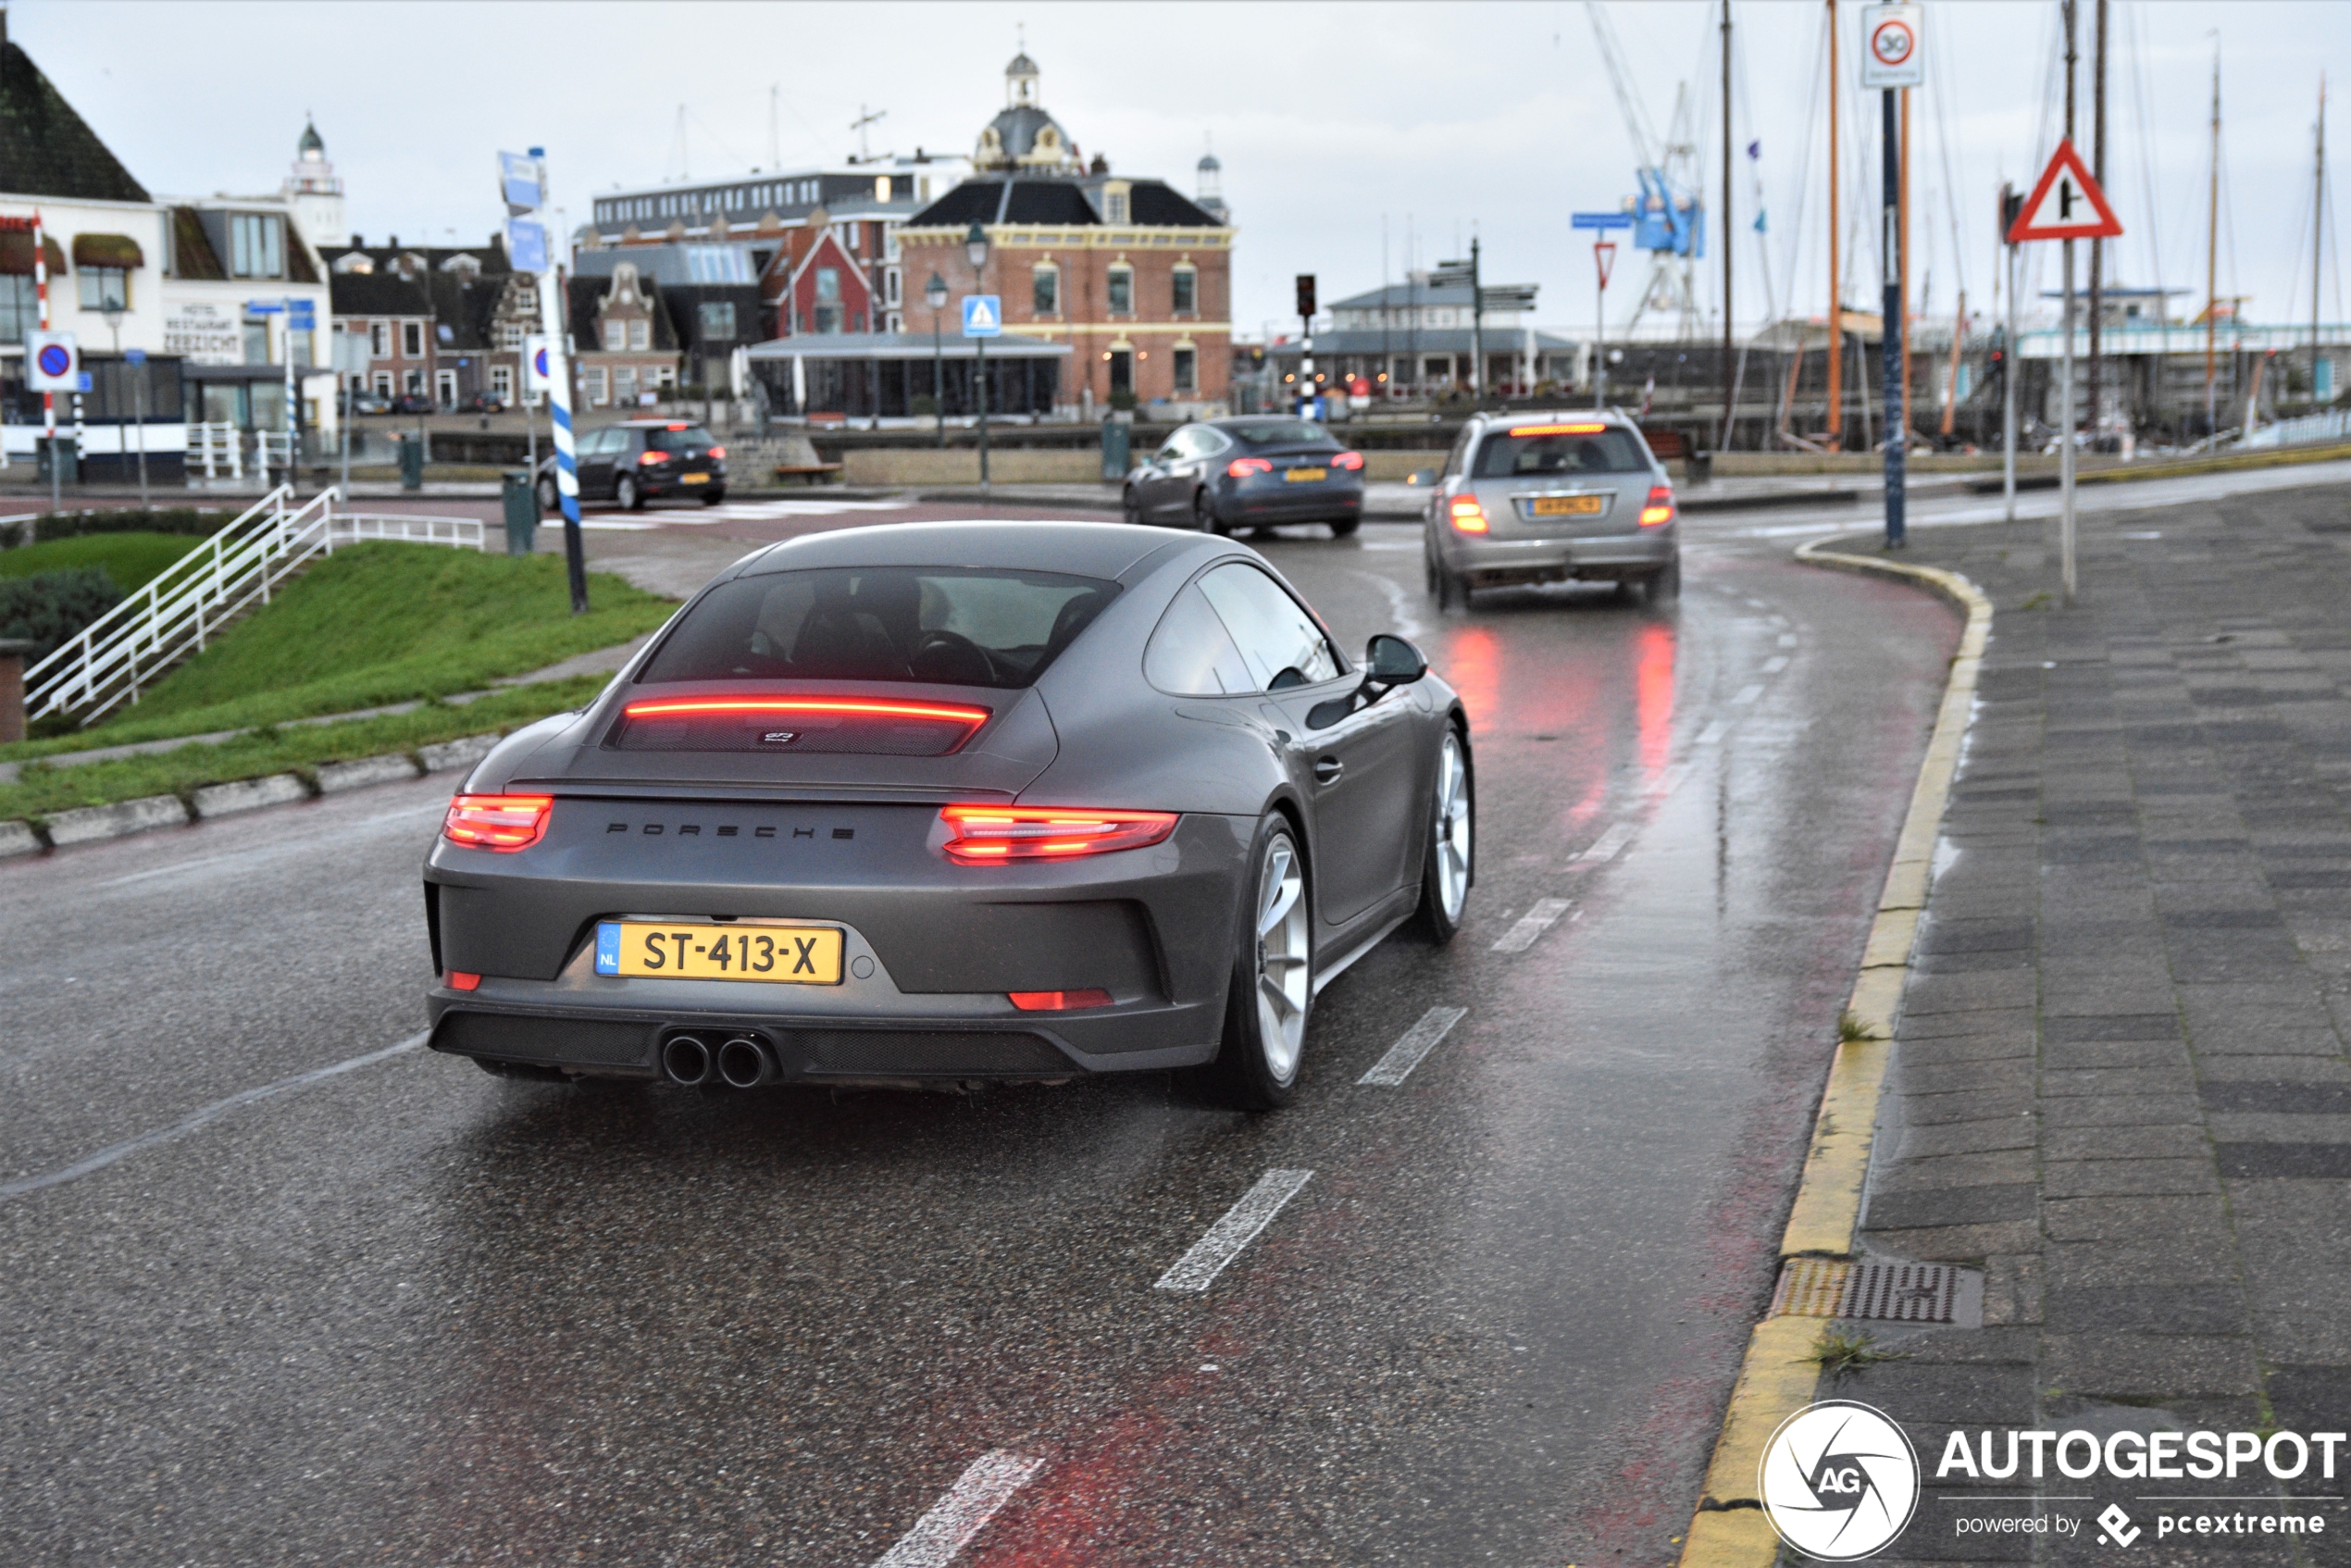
(1840, 1480)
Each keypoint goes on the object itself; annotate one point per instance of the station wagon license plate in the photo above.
(693, 479)
(1567, 505)
(1296, 475)
(801, 956)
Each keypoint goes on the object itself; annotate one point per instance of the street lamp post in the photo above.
(976, 252)
(935, 295)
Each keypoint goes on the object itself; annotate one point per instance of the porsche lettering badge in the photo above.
(780, 737)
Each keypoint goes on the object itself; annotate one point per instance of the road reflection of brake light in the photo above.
(1659, 508)
(1350, 461)
(1468, 516)
(504, 823)
(1058, 1002)
(1242, 467)
(976, 834)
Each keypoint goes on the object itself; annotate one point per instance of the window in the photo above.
(1281, 642)
(380, 340)
(1122, 370)
(717, 317)
(957, 627)
(1187, 369)
(502, 382)
(445, 389)
(1186, 290)
(19, 308)
(1191, 654)
(415, 384)
(893, 283)
(594, 379)
(257, 342)
(412, 340)
(641, 335)
(1122, 290)
(1610, 450)
(1045, 290)
(624, 383)
(615, 336)
(383, 383)
(828, 313)
(1114, 207)
(510, 337)
(103, 288)
(257, 245)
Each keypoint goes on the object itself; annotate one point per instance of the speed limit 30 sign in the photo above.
(1893, 51)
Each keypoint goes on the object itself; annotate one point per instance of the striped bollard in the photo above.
(566, 460)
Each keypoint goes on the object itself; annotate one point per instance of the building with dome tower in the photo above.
(1132, 275)
(313, 193)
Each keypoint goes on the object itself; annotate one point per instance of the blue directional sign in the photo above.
(983, 316)
(301, 315)
(139, 357)
(527, 245)
(518, 181)
(1601, 220)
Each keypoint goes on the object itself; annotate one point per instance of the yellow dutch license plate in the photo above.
(693, 479)
(1567, 505)
(803, 955)
(1298, 475)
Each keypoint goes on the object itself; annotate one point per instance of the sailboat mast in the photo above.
(2317, 232)
(2098, 248)
(1730, 413)
(2212, 259)
(1837, 300)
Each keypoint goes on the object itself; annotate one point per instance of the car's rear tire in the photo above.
(1666, 583)
(1447, 585)
(713, 498)
(551, 500)
(1204, 515)
(625, 493)
(1273, 990)
(1344, 527)
(1447, 861)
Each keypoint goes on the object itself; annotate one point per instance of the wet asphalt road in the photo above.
(410, 1313)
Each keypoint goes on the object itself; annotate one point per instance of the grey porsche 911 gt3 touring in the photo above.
(944, 803)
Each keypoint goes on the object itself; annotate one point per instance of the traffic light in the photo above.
(1306, 295)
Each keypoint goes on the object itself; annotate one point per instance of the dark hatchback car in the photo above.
(641, 460)
(1254, 471)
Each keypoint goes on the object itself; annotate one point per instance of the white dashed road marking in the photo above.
(1788, 640)
(1197, 1269)
(1408, 1052)
(1606, 844)
(1775, 664)
(969, 1504)
(1713, 732)
(1531, 925)
(1747, 694)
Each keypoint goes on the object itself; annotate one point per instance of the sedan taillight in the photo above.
(1350, 461)
(718, 454)
(977, 835)
(1242, 467)
(505, 823)
(1468, 516)
(653, 459)
(1660, 509)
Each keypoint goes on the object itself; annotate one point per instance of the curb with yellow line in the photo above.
(1779, 1376)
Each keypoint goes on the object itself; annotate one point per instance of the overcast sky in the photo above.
(1331, 120)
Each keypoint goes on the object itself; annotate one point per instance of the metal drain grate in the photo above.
(1871, 1292)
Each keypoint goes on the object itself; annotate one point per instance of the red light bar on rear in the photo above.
(1557, 429)
(977, 835)
(1058, 1002)
(504, 823)
(684, 707)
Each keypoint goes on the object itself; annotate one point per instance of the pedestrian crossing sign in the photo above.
(983, 316)
(2066, 204)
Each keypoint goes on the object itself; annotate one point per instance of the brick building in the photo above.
(1134, 277)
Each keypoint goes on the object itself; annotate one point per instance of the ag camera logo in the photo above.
(1840, 1480)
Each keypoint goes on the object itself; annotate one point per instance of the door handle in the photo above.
(1327, 769)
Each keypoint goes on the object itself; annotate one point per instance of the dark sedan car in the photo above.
(952, 802)
(1250, 472)
(641, 460)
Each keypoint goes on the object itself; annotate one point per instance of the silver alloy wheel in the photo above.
(1452, 828)
(1283, 977)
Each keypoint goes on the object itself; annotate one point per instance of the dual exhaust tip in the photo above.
(739, 1062)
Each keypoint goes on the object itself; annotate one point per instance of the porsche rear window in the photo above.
(939, 624)
(1613, 450)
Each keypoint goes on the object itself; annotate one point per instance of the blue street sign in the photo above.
(139, 356)
(1601, 220)
(301, 316)
(983, 316)
(518, 181)
(527, 245)
(83, 385)
(264, 307)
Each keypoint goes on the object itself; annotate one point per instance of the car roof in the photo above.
(654, 424)
(1095, 550)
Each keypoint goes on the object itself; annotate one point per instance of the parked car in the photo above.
(641, 460)
(933, 803)
(414, 403)
(482, 403)
(370, 403)
(1254, 471)
(1557, 497)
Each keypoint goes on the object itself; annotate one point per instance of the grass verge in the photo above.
(40, 790)
(130, 559)
(374, 624)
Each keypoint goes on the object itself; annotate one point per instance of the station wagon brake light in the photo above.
(505, 823)
(1242, 467)
(1468, 516)
(1660, 509)
(1557, 429)
(977, 835)
(1350, 461)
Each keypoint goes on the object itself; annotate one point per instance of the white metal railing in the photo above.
(109, 661)
(220, 449)
(2332, 425)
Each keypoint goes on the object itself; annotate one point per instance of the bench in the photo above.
(1666, 445)
(808, 473)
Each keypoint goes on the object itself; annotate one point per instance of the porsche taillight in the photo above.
(505, 823)
(979, 835)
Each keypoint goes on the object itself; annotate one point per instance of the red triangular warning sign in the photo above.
(2066, 204)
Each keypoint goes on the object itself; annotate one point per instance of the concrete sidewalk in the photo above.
(2120, 1084)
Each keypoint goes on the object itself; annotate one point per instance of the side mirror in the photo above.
(1391, 661)
(1425, 478)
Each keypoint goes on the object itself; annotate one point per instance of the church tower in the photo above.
(313, 193)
